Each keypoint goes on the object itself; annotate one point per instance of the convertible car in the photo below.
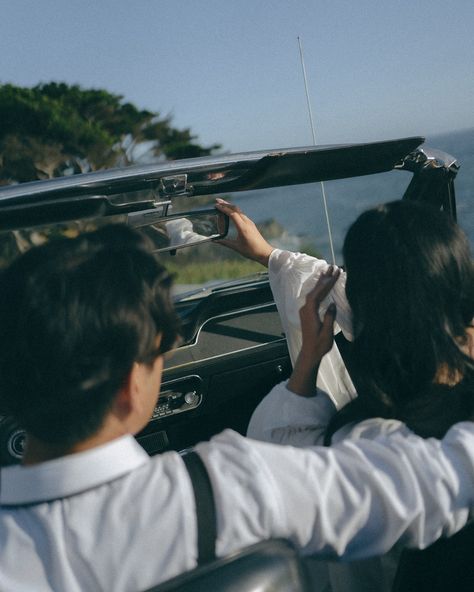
(233, 349)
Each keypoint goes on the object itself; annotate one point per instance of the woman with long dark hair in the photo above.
(406, 301)
(410, 286)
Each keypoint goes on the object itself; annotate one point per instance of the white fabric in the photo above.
(292, 276)
(286, 418)
(113, 519)
(180, 232)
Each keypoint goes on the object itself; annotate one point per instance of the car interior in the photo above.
(233, 348)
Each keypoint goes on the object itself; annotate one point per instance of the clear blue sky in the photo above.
(230, 69)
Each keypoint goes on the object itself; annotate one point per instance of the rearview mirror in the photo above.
(187, 229)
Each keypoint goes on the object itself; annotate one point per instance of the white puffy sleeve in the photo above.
(292, 276)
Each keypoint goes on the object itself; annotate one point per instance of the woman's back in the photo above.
(410, 286)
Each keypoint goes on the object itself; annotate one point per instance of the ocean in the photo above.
(300, 211)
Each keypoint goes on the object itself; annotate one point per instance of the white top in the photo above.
(286, 418)
(114, 519)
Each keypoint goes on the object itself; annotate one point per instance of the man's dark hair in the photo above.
(75, 315)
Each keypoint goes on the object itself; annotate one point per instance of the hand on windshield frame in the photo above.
(249, 242)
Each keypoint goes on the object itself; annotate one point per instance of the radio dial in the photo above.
(191, 398)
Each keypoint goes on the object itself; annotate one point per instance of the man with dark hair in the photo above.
(84, 324)
(79, 316)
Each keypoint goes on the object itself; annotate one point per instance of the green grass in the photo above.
(204, 271)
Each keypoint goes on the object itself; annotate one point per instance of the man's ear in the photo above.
(128, 396)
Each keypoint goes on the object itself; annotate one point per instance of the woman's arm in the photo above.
(283, 416)
(317, 336)
(292, 276)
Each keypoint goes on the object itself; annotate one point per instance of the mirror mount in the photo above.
(174, 186)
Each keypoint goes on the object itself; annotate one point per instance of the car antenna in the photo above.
(328, 224)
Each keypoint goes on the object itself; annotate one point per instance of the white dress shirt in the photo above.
(112, 518)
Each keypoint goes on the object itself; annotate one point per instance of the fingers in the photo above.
(240, 220)
(329, 319)
(326, 330)
(309, 313)
(249, 242)
(231, 210)
(324, 285)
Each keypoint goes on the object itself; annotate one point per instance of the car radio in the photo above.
(177, 396)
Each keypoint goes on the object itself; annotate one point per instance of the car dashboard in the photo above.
(235, 351)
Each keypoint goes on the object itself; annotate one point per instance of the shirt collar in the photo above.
(70, 474)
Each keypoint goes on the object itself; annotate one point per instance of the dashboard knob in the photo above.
(16, 444)
(191, 398)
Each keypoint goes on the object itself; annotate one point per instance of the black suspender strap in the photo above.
(205, 507)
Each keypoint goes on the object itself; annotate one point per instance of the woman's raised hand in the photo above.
(317, 335)
(248, 242)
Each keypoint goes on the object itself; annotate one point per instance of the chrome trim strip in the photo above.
(180, 379)
(222, 316)
(237, 351)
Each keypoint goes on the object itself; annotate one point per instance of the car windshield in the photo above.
(291, 217)
(294, 218)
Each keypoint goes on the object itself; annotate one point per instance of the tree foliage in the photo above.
(53, 129)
